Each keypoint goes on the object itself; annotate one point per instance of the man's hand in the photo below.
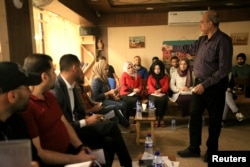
(97, 107)
(93, 119)
(34, 164)
(184, 88)
(84, 155)
(198, 89)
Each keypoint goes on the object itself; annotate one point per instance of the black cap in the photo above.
(13, 75)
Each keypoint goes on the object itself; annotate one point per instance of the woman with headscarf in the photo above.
(181, 84)
(131, 86)
(158, 85)
(101, 92)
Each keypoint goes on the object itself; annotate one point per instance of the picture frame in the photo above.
(239, 38)
(136, 42)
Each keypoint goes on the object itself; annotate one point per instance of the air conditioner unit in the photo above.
(184, 17)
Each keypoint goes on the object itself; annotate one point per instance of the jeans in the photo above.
(229, 104)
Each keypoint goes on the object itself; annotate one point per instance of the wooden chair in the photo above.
(241, 84)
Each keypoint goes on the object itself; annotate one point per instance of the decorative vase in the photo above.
(99, 45)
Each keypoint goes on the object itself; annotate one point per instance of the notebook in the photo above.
(15, 153)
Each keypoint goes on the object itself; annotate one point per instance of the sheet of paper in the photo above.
(110, 115)
(99, 154)
(170, 163)
(158, 94)
(147, 155)
(174, 97)
(82, 164)
(131, 94)
(15, 153)
(186, 92)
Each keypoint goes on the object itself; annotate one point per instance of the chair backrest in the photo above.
(88, 90)
(241, 84)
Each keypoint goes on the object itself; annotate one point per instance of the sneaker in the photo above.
(239, 116)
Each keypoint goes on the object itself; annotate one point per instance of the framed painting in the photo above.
(137, 42)
(239, 38)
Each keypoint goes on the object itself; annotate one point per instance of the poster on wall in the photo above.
(137, 42)
(239, 38)
(166, 55)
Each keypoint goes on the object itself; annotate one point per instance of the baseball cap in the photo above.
(13, 75)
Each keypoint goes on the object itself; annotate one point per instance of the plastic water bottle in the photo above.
(157, 161)
(173, 124)
(138, 110)
(151, 104)
(149, 144)
(151, 107)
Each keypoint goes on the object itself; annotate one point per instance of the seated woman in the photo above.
(181, 83)
(158, 85)
(131, 86)
(101, 92)
(93, 107)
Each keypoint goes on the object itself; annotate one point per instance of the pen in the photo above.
(95, 161)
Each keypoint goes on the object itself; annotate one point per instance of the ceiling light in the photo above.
(229, 4)
(149, 8)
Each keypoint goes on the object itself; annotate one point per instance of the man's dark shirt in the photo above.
(213, 57)
(14, 128)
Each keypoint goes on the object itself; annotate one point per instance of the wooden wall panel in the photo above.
(137, 19)
(19, 31)
(148, 19)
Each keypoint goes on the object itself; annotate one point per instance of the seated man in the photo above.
(54, 138)
(140, 69)
(91, 131)
(241, 69)
(14, 96)
(230, 104)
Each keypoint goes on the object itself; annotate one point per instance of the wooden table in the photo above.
(141, 134)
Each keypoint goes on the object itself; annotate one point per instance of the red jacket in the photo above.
(128, 83)
(152, 82)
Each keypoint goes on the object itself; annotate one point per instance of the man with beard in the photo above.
(241, 69)
(90, 130)
(14, 95)
(56, 141)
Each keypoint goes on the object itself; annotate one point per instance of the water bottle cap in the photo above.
(157, 153)
(149, 135)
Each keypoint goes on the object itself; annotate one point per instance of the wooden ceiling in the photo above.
(154, 6)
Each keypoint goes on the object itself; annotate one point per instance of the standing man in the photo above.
(213, 61)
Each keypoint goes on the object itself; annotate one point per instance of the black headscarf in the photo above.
(159, 76)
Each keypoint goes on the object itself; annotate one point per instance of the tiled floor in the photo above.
(235, 136)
